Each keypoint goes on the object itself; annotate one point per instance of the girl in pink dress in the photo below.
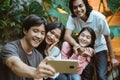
(86, 39)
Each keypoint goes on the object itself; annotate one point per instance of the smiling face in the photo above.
(53, 36)
(79, 8)
(85, 39)
(35, 35)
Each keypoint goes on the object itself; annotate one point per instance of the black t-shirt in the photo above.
(14, 48)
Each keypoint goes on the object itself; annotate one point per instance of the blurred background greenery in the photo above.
(12, 13)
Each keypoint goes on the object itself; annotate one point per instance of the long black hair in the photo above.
(49, 27)
(87, 5)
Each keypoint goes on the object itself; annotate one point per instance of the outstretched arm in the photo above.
(22, 69)
(70, 39)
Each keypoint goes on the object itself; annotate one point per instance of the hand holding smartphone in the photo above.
(64, 65)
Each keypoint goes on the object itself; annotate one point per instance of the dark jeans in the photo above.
(100, 61)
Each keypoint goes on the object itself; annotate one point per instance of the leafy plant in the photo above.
(113, 5)
(6, 23)
(36, 8)
(12, 14)
(11, 17)
(53, 8)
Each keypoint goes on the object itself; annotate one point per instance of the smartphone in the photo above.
(64, 65)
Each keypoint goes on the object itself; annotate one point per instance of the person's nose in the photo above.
(39, 35)
(78, 8)
(84, 38)
(52, 36)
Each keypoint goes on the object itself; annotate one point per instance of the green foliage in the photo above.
(61, 16)
(12, 14)
(115, 31)
(36, 8)
(113, 5)
(54, 12)
(63, 4)
(11, 17)
(6, 23)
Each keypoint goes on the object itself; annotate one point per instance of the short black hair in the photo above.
(33, 20)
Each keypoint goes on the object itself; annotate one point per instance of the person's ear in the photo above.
(24, 31)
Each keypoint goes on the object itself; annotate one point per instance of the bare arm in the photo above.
(72, 41)
(69, 38)
(22, 69)
(109, 45)
(18, 67)
(114, 61)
